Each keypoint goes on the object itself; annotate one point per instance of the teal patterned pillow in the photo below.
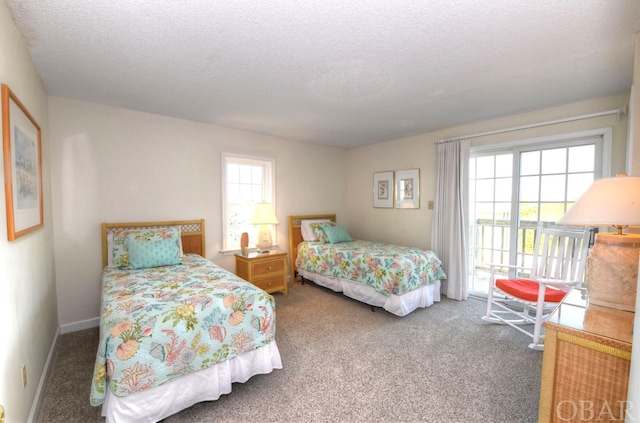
(144, 253)
(336, 234)
(120, 256)
(318, 231)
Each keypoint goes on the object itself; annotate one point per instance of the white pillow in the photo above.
(307, 232)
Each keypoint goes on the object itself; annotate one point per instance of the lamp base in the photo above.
(612, 271)
(264, 240)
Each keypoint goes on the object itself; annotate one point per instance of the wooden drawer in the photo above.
(267, 267)
(272, 284)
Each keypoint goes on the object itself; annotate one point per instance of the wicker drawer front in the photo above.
(586, 370)
(274, 283)
(586, 363)
(267, 267)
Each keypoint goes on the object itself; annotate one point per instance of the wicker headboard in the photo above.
(191, 232)
(295, 235)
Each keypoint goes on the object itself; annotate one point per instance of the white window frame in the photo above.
(602, 170)
(268, 192)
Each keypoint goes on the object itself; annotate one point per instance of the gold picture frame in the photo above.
(383, 189)
(408, 189)
(22, 149)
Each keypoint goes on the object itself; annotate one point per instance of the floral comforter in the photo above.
(161, 323)
(389, 269)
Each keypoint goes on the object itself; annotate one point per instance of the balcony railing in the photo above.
(492, 245)
(494, 237)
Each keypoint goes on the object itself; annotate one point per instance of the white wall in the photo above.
(413, 227)
(28, 313)
(633, 155)
(634, 140)
(115, 165)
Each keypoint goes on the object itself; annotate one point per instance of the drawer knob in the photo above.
(269, 268)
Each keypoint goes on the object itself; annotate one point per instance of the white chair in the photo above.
(558, 264)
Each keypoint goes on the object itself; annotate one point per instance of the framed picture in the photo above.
(408, 189)
(383, 189)
(21, 145)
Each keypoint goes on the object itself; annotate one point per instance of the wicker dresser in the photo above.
(267, 271)
(586, 362)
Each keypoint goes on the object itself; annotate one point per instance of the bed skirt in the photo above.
(400, 305)
(204, 385)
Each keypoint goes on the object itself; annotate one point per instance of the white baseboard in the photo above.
(81, 325)
(35, 406)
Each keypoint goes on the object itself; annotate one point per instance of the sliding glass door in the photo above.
(512, 189)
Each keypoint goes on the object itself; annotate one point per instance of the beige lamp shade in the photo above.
(610, 201)
(264, 214)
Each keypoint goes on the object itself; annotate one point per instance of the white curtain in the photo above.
(449, 233)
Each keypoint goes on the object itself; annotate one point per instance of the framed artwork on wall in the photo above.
(383, 189)
(21, 145)
(407, 189)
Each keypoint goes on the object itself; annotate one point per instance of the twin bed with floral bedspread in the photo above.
(396, 278)
(175, 329)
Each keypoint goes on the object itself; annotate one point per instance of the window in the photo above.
(513, 187)
(245, 182)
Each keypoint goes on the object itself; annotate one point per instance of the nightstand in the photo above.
(586, 362)
(267, 271)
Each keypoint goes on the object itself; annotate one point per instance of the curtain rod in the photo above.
(618, 112)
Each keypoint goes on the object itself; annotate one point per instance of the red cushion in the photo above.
(528, 290)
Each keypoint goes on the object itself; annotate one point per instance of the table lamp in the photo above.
(264, 215)
(612, 266)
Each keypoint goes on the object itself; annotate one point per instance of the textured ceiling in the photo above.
(338, 72)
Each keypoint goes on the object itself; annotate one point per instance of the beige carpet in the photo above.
(343, 362)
